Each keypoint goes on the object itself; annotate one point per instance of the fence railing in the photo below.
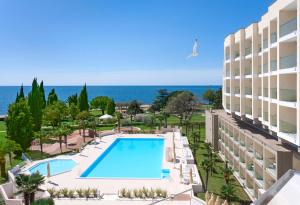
(288, 27)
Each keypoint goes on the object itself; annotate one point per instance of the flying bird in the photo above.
(194, 51)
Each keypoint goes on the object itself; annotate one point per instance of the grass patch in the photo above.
(36, 155)
(215, 181)
(2, 126)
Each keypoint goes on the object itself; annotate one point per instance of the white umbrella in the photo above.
(105, 117)
(48, 170)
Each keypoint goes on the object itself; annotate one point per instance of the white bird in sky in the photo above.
(194, 51)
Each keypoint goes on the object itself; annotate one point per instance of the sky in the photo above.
(118, 42)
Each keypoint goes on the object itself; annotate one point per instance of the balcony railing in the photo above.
(227, 57)
(227, 89)
(288, 27)
(227, 73)
(248, 110)
(266, 94)
(236, 55)
(258, 156)
(237, 90)
(248, 91)
(273, 65)
(259, 70)
(266, 116)
(259, 92)
(259, 48)
(288, 95)
(265, 67)
(289, 61)
(236, 108)
(287, 127)
(265, 43)
(248, 71)
(227, 106)
(236, 72)
(248, 51)
(274, 37)
(274, 93)
(274, 120)
(259, 112)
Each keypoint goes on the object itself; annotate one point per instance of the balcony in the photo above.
(236, 72)
(236, 91)
(259, 157)
(273, 37)
(289, 61)
(248, 51)
(248, 71)
(274, 93)
(259, 179)
(266, 116)
(274, 120)
(273, 65)
(248, 110)
(288, 95)
(248, 91)
(266, 94)
(236, 55)
(265, 68)
(242, 143)
(265, 43)
(250, 168)
(259, 91)
(287, 127)
(227, 89)
(227, 106)
(227, 57)
(242, 160)
(288, 27)
(259, 48)
(272, 167)
(227, 73)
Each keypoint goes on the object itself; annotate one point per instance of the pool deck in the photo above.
(90, 153)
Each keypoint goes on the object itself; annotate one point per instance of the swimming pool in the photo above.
(57, 166)
(129, 158)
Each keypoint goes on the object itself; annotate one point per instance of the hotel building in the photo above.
(258, 132)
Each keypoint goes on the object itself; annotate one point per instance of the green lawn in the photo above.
(2, 126)
(215, 181)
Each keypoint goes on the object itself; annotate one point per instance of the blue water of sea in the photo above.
(144, 94)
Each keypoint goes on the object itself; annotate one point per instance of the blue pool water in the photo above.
(129, 158)
(57, 166)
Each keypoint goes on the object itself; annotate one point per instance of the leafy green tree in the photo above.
(19, 124)
(181, 104)
(217, 103)
(42, 135)
(134, 108)
(161, 100)
(111, 107)
(28, 185)
(73, 110)
(83, 102)
(7, 147)
(42, 93)
(228, 192)
(160, 118)
(72, 99)
(100, 102)
(209, 95)
(35, 104)
(55, 113)
(52, 97)
(165, 115)
(207, 166)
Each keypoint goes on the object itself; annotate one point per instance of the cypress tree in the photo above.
(20, 95)
(34, 102)
(83, 102)
(17, 97)
(52, 97)
(42, 92)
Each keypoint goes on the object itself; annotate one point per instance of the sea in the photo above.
(143, 94)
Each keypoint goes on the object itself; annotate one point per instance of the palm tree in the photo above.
(207, 166)
(28, 185)
(227, 171)
(228, 192)
(119, 117)
(160, 119)
(66, 131)
(42, 135)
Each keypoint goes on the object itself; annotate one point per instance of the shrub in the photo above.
(58, 193)
(94, 193)
(158, 192)
(136, 193)
(123, 193)
(87, 193)
(164, 194)
(80, 193)
(128, 194)
(64, 192)
(52, 192)
(71, 194)
(152, 193)
(48, 201)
